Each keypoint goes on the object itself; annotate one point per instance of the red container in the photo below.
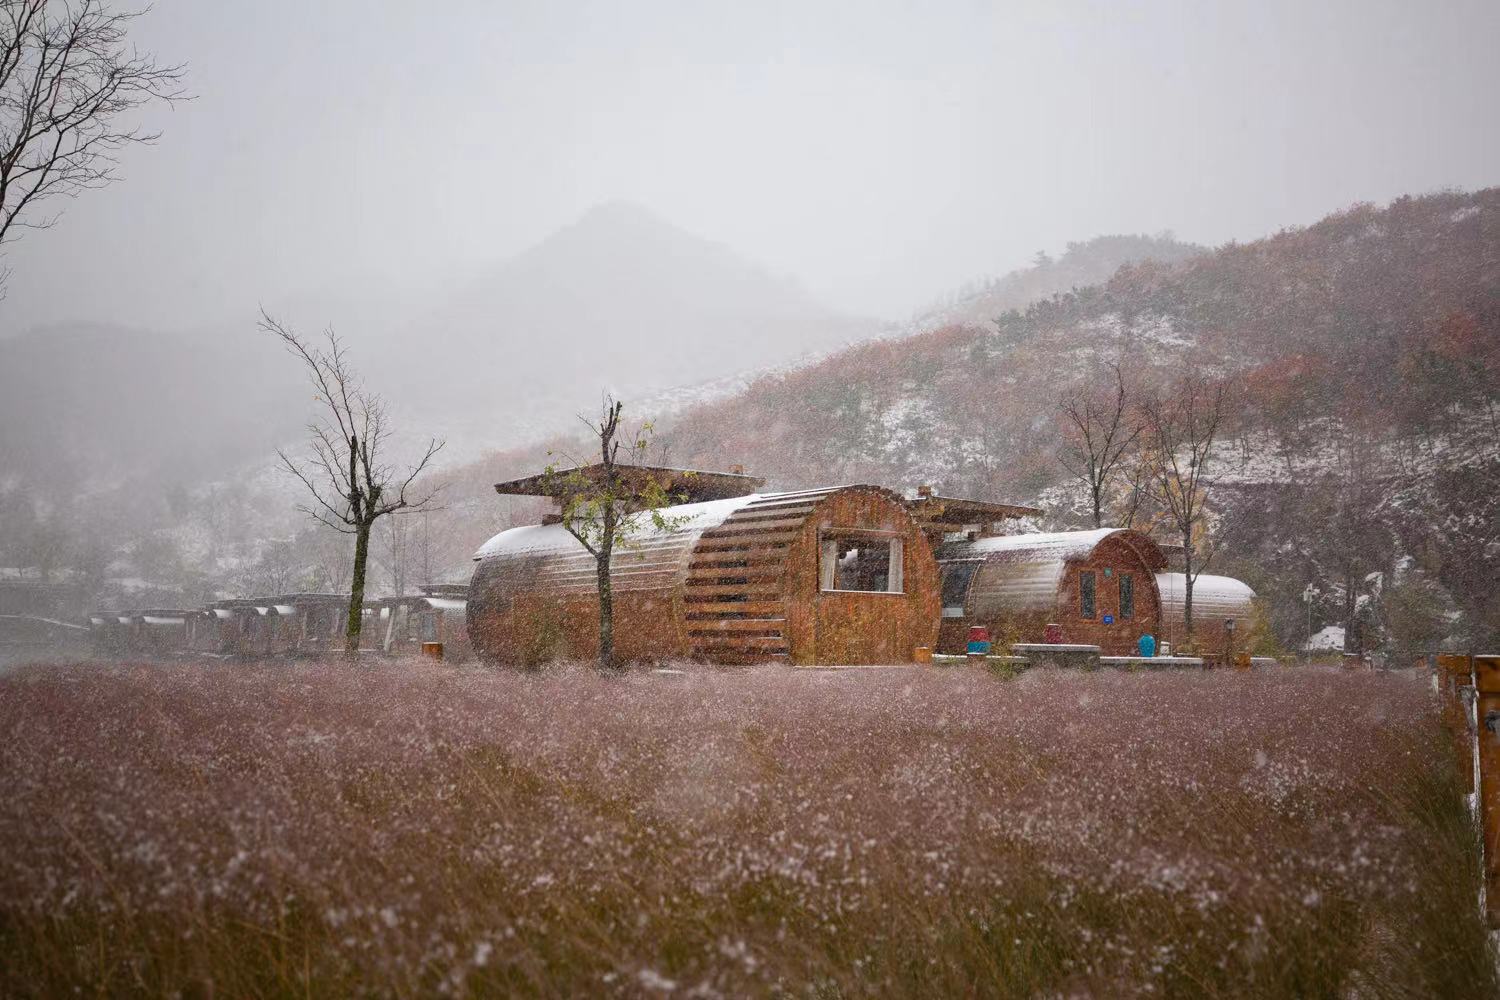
(1052, 633)
(979, 633)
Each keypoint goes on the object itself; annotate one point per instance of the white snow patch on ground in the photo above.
(1328, 638)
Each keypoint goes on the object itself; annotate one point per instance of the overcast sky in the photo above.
(881, 153)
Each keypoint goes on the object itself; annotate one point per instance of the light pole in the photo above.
(1308, 593)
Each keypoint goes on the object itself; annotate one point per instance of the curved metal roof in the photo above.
(1023, 572)
(1214, 598)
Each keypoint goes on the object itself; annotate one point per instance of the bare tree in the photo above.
(398, 544)
(602, 507)
(328, 558)
(351, 486)
(277, 570)
(1099, 435)
(68, 81)
(1133, 510)
(1183, 423)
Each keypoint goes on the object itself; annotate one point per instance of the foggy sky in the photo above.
(878, 152)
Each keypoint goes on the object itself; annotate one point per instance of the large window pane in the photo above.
(1086, 593)
(956, 577)
(861, 563)
(1127, 596)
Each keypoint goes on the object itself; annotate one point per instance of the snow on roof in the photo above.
(554, 539)
(445, 603)
(1023, 571)
(1214, 597)
(1049, 544)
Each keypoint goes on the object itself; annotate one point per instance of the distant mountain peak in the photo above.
(622, 210)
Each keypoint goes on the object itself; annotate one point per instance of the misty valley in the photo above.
(587, 501)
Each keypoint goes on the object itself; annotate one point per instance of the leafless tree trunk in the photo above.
(351, 486)
(68, 80)
(1141, 476)
(601, 509)
(1183, 423)
(1099, 434)
(611, 498)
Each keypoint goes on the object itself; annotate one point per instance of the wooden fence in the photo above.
(1470, 691)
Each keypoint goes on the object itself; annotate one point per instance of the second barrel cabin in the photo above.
(1099, 586)
(839, 575)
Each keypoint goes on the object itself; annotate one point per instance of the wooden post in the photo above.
(1487, 687)
(1455, 675)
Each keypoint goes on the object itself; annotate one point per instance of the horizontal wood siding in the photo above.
(854, 628)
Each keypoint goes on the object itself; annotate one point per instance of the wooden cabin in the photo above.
(1099, 586)
(375, 617)
(311, 624)
(1217, 600)
(162, 632)
(438, 614)
(257, 628)
(104, 633)
(840, 575)
(222, 631)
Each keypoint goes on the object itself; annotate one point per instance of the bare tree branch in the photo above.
(68, 81)
(1098, 437)
(351, 486)
(1184, 424)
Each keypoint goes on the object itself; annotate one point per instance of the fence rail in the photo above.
(1469, 687)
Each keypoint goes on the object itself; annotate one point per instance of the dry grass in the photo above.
(413, 830)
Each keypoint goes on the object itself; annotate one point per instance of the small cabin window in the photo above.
(869, 564)
(956, 579)
(1086, 593)
(1127, 596)
(429, 626)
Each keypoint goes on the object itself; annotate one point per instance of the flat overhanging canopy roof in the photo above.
(313, 599)
(683, 485)
(963, 510)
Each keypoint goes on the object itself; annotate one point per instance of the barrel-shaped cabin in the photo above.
(1099, 586)
(841, 575)
(1217, 601)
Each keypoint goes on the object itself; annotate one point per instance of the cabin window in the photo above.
(1086, 593)
(1127, 596)
(869, 564)
(429, 626)
(956, 579)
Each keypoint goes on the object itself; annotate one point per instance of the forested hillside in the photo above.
(1360, 459)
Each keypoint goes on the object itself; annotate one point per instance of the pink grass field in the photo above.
(414, 829)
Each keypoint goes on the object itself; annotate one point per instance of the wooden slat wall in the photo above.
(734, 596)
